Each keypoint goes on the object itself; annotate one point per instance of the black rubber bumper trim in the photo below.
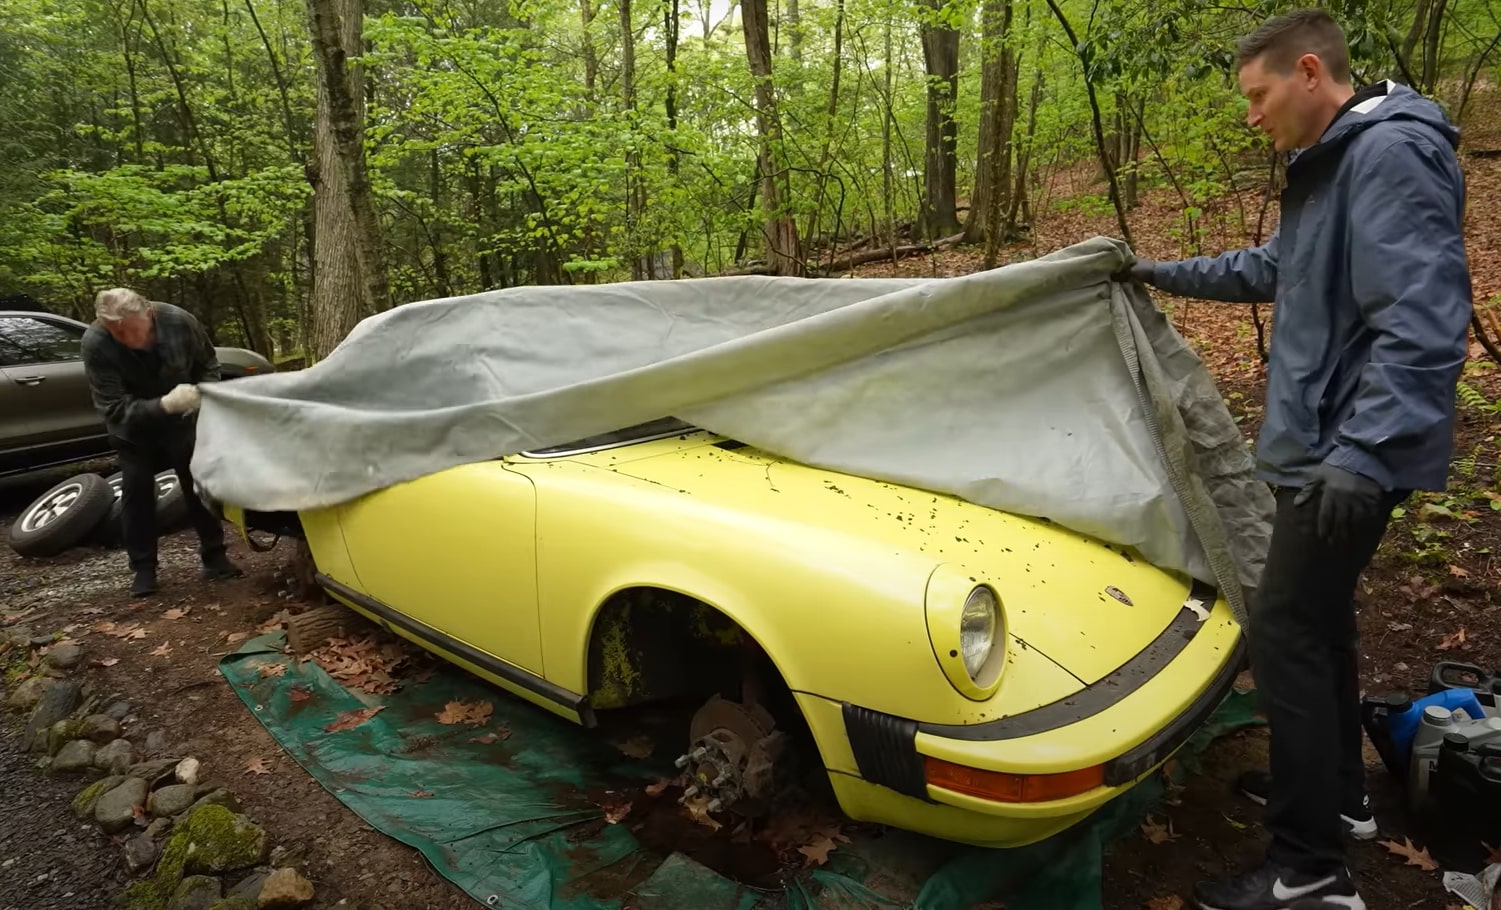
(1097, 697)
(1128, 767)
(885, 749)
(509, 673)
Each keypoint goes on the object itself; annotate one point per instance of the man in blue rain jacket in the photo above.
(1372, 300)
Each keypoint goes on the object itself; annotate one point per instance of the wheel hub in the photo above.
(51, 508)
(731, 759)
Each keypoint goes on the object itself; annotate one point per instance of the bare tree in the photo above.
(940, 47)
(779, 231)
(349, 280)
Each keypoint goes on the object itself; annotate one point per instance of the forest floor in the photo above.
(1433, 592)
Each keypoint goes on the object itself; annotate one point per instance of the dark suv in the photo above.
(47, 415)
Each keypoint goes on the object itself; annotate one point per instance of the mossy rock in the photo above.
(197, 892)
(206, 840)
(62, 732)
(236, 902)
(141, 896)
(83, 803)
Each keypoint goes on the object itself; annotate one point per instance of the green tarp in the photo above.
(510, 810)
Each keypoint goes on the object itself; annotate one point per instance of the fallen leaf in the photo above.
(613, 814)
(351, 719)
(818, 851)
(175, 613)
(1169, 902)
(1494, 854)
(1158, 834)
(299, 694)
(1413, 855)
(658, 788)
(136, 635)
(102, 625)
(492, 737)
(104, 661)
(162, 650)
(270, 670)
(1239, 826)
(1458, 638)
(457, 712)
(639, 747)
(1399, 626)
(258, 766)
(1457, 572)
(422, 794)
(698, 810)
(233, 637)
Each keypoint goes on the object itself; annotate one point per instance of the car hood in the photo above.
(1089, 607)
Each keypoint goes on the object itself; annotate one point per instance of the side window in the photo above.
(24, 340)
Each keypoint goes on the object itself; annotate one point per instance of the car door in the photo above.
(44, 391)
(455, 551)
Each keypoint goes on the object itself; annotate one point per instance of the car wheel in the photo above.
(62, 517)
(171, 503)
(171, 509)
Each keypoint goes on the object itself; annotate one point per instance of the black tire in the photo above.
(108, 533)
(171, 509)
(171, 503)
(62, 517)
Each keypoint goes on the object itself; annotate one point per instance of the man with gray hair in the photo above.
(144, 360)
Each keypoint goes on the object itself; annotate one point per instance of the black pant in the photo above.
(1305, 656)
(140, 461)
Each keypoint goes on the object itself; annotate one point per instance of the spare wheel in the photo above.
(62, 517)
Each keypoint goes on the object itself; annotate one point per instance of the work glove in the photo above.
(1140, 270)
(183, 399)
(1348, 499)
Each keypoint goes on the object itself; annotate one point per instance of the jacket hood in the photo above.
(1398, 102)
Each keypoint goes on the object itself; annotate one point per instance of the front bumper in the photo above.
(1124, 726)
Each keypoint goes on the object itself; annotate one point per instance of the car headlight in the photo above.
(977, 628)
(966, 624)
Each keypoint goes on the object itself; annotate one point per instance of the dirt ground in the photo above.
(1436, 576)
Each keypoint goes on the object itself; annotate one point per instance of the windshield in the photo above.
(641, 432)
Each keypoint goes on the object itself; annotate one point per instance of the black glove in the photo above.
(1141, 270)
(1347, 499)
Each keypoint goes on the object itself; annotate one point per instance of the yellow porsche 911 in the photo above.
(964, 673)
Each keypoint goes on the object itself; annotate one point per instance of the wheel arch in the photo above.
(633, 650)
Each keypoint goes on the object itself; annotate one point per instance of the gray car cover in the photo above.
(1042, 388)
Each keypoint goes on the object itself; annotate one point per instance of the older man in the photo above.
(143, 360)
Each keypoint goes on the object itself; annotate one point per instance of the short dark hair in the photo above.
(1281, 40)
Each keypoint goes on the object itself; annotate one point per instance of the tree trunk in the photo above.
(635, 199)
(940, 45)
(997, 114)
(1431, 48)
(779, 231)
(670, 37)
(1096, 121)
(350, 275)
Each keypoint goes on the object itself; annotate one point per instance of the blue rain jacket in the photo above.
(1368, 271)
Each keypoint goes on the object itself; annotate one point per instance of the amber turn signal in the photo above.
(1011, 788)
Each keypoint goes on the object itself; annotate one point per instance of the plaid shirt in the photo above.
(127, 385)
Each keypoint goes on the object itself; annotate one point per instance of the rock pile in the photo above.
(185, 838)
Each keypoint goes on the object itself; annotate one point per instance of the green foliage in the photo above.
(165, 144)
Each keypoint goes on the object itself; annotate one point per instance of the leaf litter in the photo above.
(1411, 853)
(348, 720)
(457, 712)
(367, 664)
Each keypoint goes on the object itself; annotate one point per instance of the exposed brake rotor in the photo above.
(732, 756)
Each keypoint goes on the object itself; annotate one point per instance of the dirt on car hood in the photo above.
(1088, 606)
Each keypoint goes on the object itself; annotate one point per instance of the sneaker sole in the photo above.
(1335, 902)
(1360, 829)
